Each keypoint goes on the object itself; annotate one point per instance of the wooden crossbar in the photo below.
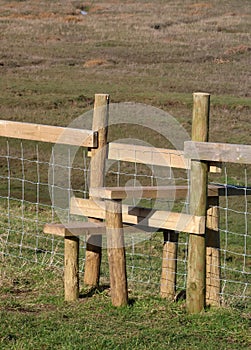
(48, 133)
(148, 155)
(153, 155)
(218, 152)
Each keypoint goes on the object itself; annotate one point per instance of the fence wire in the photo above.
(26, 205)
(235, 236)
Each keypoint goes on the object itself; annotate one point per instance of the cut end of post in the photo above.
(105, 96)
(201, 94)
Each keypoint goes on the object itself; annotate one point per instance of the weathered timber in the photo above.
(218, 152)
(74, 229)
(48, 133)
(142, 216)
(167, 192)
(71, 268)
(169, 265)
(213, 285)
(116, 253)
(153, 155)
(97, 173)
(196, 274)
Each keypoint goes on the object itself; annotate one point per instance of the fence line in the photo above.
(25, 208)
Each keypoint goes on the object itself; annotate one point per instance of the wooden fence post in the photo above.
(196, 267)
(213, 253)
(97, 175)
(169, 265)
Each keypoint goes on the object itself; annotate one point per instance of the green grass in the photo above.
(33, 315)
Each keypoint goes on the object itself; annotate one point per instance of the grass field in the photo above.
(53, 60)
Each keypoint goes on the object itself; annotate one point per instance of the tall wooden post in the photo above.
(169, 265)
(196, 274)
(213, 253)
(116, 252)
(71, 268)
(97, 175)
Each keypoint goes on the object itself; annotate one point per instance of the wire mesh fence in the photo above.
(234, 228)
(27, 203)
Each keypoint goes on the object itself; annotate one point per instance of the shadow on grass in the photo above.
(98, 290)
(93, 290)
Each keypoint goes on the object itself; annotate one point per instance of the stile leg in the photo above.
(116, 253)
(213, 285)
(169, 265)
(71, 268)
(93, 258)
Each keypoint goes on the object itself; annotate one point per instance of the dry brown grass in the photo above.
(53, 59)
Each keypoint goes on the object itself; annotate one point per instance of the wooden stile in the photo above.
(97, 174)
(203, 279)
(196, 274)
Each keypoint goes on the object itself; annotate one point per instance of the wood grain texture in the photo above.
(48, 133)
(196, 266)
(142, 216)
(169, 265)
(164, 192)
(218, 152)
(116, 253)
(213, 280)
(75, 229)
(97, 173)
(153, 156)
(71, 268)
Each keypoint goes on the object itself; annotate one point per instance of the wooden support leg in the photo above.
(71, 268)
(213, 253)
(93, 259)
(169, 265)
(116, 253)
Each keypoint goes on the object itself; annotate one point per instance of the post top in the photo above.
(201, 93)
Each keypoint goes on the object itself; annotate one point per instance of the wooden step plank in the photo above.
(141, 216)
(178, 222)
(74, 229)
(153, 192)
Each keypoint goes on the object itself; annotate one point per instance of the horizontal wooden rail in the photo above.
(148, 155)
(218, 152)
(153, 156)
(48, 133)
(158, 219)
